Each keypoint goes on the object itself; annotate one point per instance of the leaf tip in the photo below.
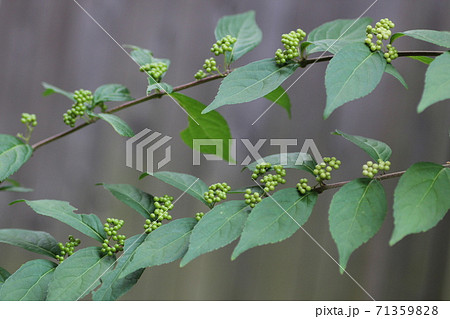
(17, 201)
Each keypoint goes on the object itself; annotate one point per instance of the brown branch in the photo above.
(126, 105)
(379, 178)
(303, 63)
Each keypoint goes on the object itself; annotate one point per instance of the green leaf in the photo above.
(275, 218)
(140, 56)
(244, 28)
(375, 149)
(204, 126)
(113, 286)
(334, 35)
(35, 241)
(280, 97)
(296, 160)
(11, 188)
(29, 282)
(119, 125)
(4, 274)
(111, 92)
(13, 154)
(356, 214)
(79, 274)
(143, 56)
(352, 73)
(90, 225)
(51, 89)
(133, 197)
(423, 59)
(421, 199)
(437, 82)
(219, 227)
(390, 69)
(163, 245)
(441, 38)
(187, 183)
(251, 82)
(153, 85)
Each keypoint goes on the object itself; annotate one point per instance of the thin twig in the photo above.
(379, 178)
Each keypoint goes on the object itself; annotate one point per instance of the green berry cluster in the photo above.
(199, 75)
(252, 199)
(261, 169)
(29, 119)
(291, 42)
(391, 53)
(111, 228)
(68, 248)
(270, 181)
(223, 45)
(371, 168)
(303, 186)
(162, 206)
(381, 31)
(323, 170)
(209, 66)
(155, 69)
(82, 97)
(199, 216)
(217, 192)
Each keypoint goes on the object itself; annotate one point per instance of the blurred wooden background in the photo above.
(56, 42)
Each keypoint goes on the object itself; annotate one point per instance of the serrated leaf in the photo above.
(421, 199)
(275, 218)
(244, 28)
(133, 197)
(437, 82)
(296, 160)
(111, 92)
(251, 82)
(219, 227)
(375, 149)
(90, 225)
(79, 274)
(119, 125)
(192, 185)
(356, 214)
(352, 73)
(441, 38)
(280, 97)
(113, 286)
(423, 59)
(35, 241)
(390, 69)
(163, 245)
(334, 35)
(13, 154)
(51, 89)
(204, 126)
(29, 282)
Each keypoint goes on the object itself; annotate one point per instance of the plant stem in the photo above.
(303, 63)
(379, 178)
